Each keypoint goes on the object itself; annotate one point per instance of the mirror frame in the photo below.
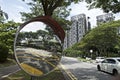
(51, 22)
(57, 29)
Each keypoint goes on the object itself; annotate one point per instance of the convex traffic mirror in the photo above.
(38, 45)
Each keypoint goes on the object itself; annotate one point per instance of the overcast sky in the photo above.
(13, 7)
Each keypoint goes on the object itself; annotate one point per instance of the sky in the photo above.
(13, 7)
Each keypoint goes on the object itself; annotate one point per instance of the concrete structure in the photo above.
(80, 25)
(105, 18)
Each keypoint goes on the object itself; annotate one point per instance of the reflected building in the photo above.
(105, 18)
(80, 25)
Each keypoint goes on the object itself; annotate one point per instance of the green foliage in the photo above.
(55, 8)
(3, 52)
(72, 52)
(102, 38)
(7, 34)
(106, 5)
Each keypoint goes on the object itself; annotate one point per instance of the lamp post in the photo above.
(91, 51)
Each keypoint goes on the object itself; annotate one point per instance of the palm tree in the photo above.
(3, 16)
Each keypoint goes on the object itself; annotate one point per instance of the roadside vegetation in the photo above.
(7, 34)
(104, 40)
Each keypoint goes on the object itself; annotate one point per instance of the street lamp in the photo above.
(91, 51)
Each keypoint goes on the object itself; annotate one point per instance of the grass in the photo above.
(21, 75)
(84, 60)
(9, 62)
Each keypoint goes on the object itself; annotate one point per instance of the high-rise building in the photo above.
(79, 27)
(105, 18)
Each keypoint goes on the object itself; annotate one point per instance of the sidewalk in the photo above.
(4, 72)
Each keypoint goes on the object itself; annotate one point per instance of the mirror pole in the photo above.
(35, 78)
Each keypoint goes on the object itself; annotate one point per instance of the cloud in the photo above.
(20, 7)
(1, 1)
(13, 8)
(81, 8)
(16, 17)
(117, 16)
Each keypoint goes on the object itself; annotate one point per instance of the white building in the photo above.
(105, 18)
(77, 30)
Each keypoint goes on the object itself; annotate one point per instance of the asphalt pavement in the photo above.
(84, 70)
(4, 72)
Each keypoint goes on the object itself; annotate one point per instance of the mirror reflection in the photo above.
(38, 50)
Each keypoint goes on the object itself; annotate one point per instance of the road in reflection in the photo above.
(37, 62)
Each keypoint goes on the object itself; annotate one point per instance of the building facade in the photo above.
(79, 27)
(105, 18)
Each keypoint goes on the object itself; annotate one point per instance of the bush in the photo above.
(3, 52)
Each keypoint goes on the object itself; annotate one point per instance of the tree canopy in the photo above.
(54, 8)
(103, 39)
(7, 33)
(106, 5)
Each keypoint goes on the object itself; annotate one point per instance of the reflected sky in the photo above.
(33, 27)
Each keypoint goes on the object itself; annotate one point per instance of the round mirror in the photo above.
(37, 48)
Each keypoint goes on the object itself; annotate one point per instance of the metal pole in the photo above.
(35, 78)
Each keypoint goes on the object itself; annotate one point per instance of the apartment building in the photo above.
(80, 25)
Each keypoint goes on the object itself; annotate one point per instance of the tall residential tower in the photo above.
(105, 18)
(80, 25)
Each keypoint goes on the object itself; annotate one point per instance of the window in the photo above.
(118, 60)
(111, 61)
(104, 61)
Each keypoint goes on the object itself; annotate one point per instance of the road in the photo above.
(4, 72)
(84, 70)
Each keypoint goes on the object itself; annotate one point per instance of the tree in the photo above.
(7, 34)
(103, 37)
(3, 52)
(3, 16)
(106, 5)
(55, 8)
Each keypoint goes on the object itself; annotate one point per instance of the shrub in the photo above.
(3, 52)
